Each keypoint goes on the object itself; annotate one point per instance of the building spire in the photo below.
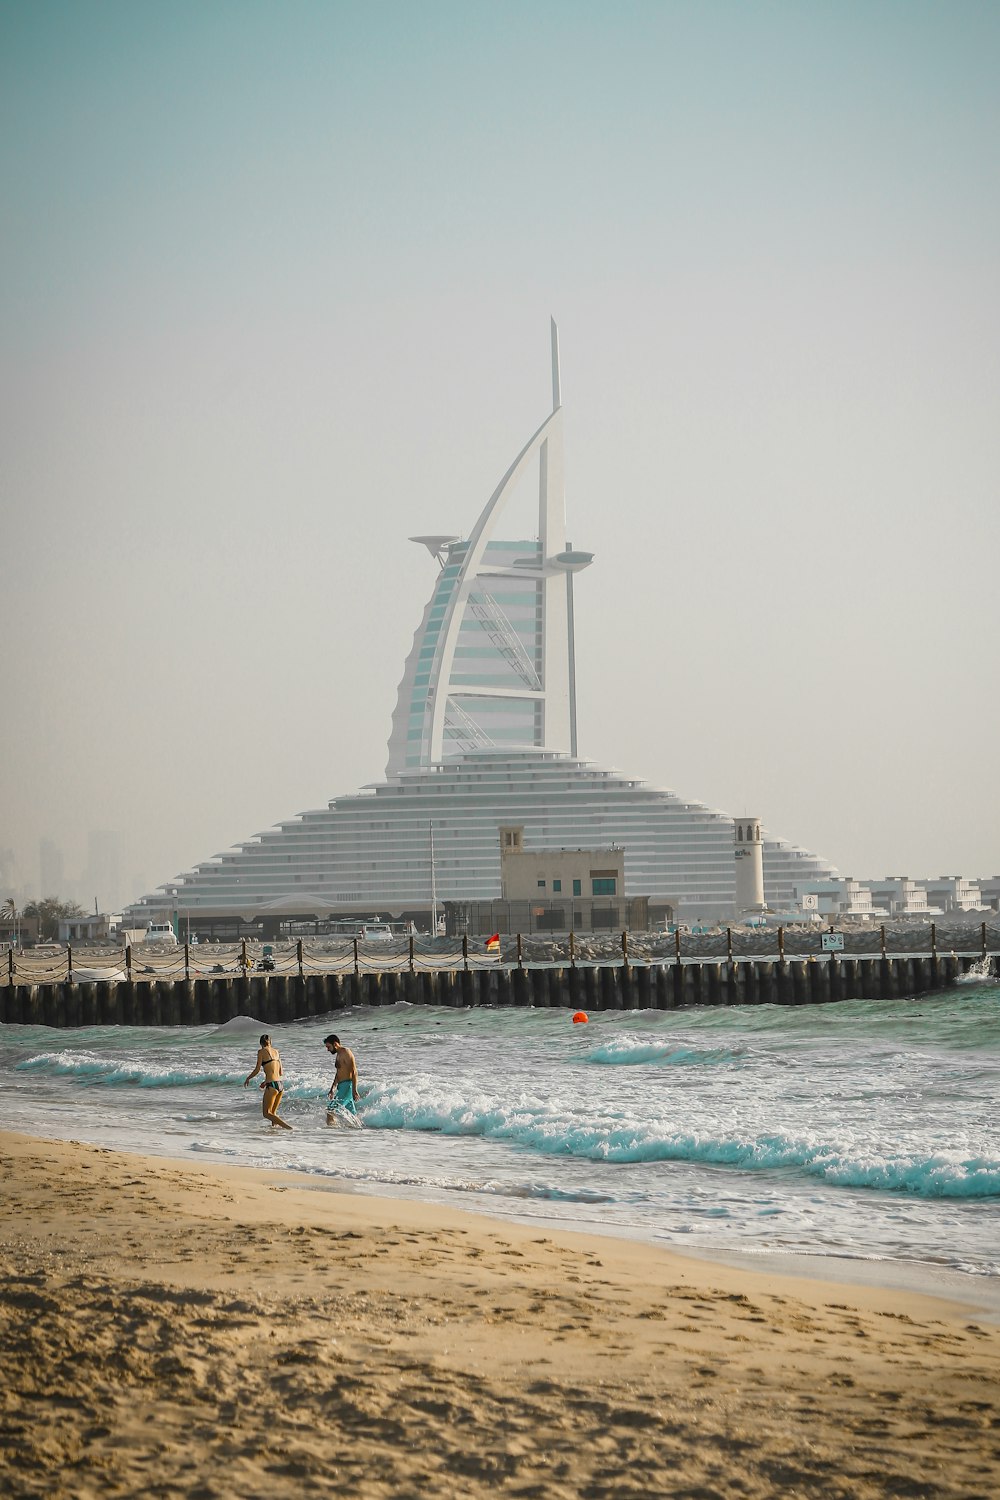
(556, 392)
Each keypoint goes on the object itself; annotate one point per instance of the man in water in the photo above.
(344, 1088)
(268, 1059)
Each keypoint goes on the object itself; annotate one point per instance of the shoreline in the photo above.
(978, 1293)
(170, 1328)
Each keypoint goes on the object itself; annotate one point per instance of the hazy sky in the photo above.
(276, 282)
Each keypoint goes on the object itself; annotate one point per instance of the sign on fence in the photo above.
(833, 942)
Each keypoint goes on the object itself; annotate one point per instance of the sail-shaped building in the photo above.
(484, 735)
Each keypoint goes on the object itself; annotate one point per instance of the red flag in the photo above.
(493, 943)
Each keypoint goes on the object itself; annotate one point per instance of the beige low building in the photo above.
(552, 890)
(558, 874)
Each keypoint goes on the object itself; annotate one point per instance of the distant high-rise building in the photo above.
(484, 735)
(51, 869)
(103, 878)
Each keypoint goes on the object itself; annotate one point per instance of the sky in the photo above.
(275, 296)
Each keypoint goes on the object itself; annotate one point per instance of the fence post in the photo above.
(356, 956)
(465, 950)
(298, 955)
(933, 940)
(243, 959)
(187, 962)
(572, 951)
(781, 945)
(984, 940)
(128, 962)
(729, 945)
(69, 962)
(677, 944)
(520, 965)
(411, 952)
(882, 931)
(625, 948)
(10, 963)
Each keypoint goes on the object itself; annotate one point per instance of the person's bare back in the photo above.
(347, 1068)
(273, 1087)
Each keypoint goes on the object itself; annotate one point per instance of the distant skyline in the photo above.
(262, 263)
(99, 877)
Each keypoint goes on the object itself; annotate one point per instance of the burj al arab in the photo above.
(484, 735)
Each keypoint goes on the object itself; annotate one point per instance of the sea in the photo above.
(857, 1133)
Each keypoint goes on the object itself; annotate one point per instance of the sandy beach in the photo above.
(177, 1331)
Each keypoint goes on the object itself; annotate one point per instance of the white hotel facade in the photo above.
(484, 734)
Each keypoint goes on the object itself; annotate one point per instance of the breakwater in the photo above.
(277, 998)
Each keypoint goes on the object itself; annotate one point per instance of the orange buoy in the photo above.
(580, 1018)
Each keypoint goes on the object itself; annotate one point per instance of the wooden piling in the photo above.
(850, 989)
(88, 1004)
(590, 996)
(887, 979)
(819, 986)
(767, 989)
(74, 1003)
(610, 996)
(783, 994)
(799, 971)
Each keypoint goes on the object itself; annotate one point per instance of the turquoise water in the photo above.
(863, 1130)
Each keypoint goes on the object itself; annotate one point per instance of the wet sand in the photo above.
(169, 1330)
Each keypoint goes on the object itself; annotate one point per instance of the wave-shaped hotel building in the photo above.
(483, 736)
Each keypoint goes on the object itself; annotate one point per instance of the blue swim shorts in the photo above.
(344, 1097)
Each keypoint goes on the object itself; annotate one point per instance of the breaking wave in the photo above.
(626, 1050)
(90, 1068)
(533, 1126)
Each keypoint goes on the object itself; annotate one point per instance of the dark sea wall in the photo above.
(276, 998)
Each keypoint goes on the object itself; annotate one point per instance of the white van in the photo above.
(160, 932)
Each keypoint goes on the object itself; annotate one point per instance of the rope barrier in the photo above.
(415, 955)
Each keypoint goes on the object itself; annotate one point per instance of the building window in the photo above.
(577, 888)
(605, 886)
(557, 885)
(541, 885)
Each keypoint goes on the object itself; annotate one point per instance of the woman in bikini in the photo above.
(268, 1059)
